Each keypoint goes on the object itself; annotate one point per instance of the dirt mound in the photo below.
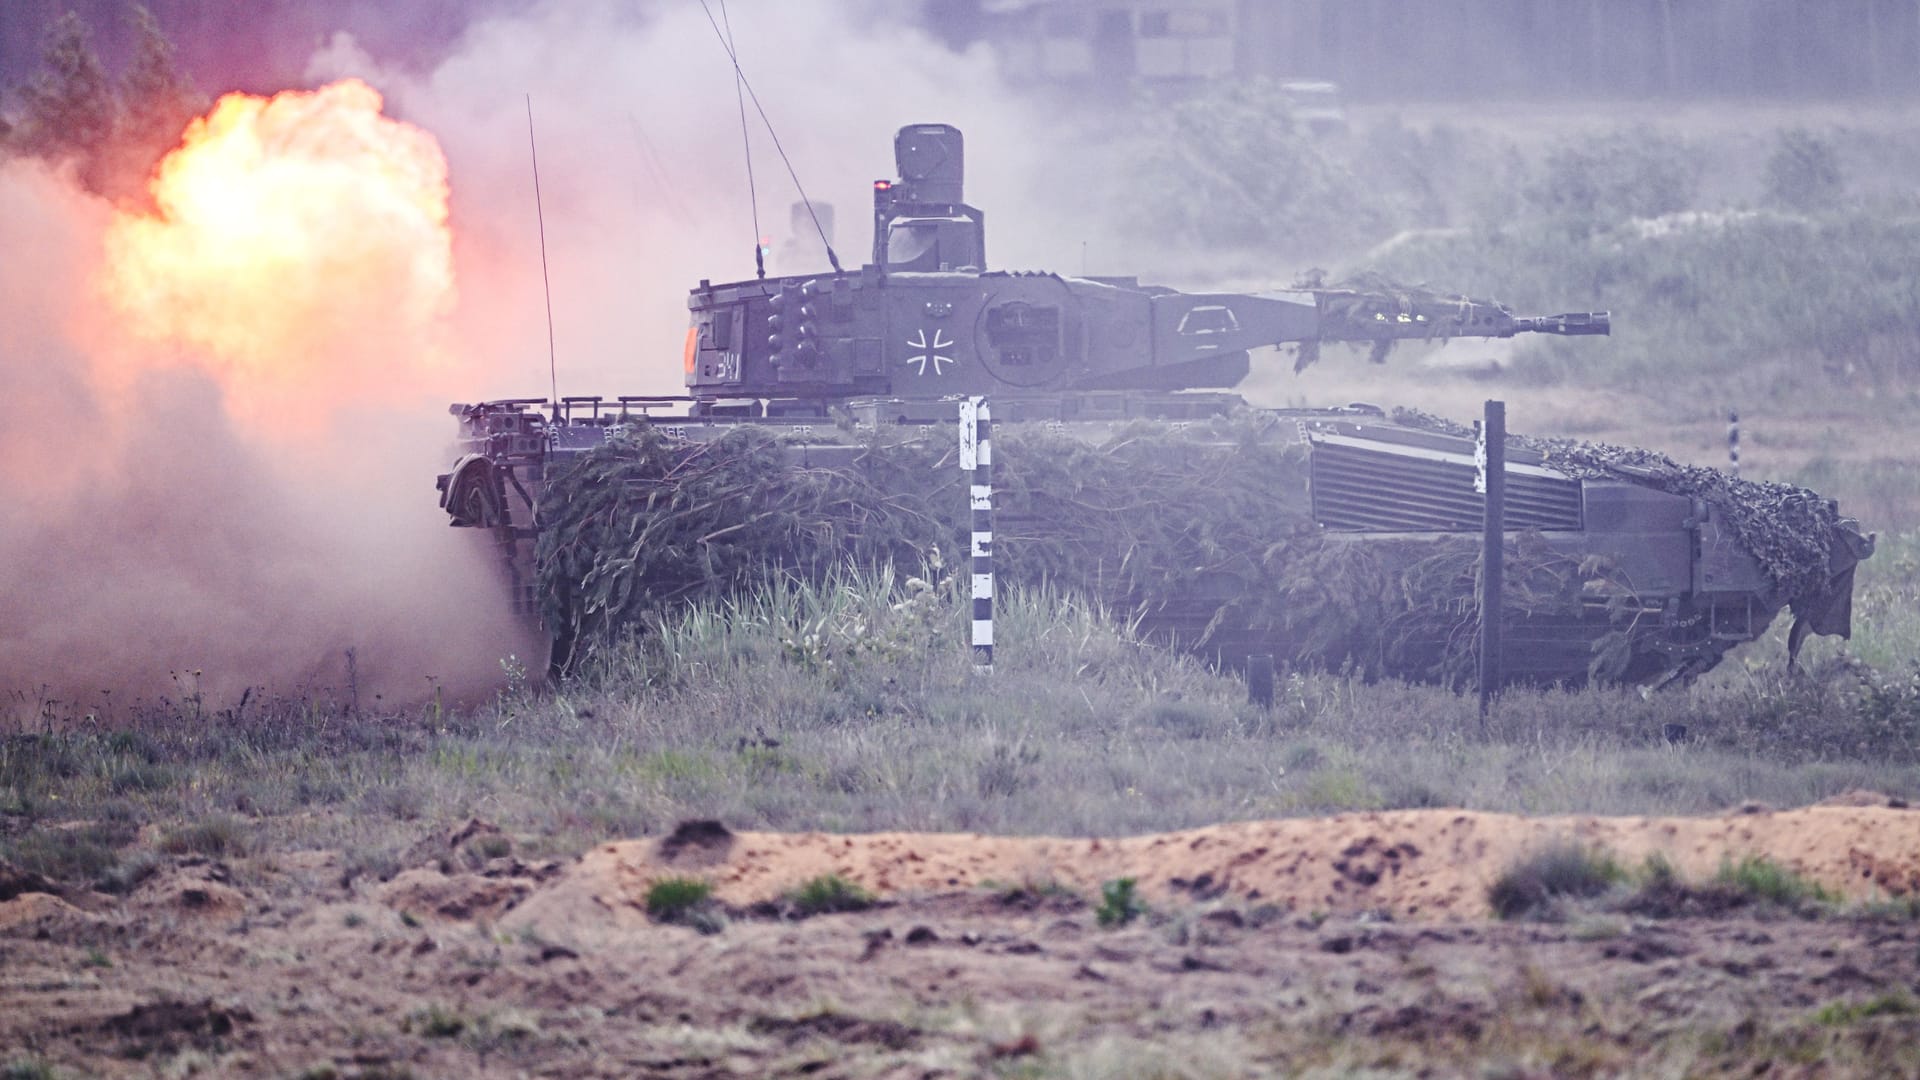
(30, 908)
(454, 896)
(14, 881)
(194, 886)
(1433, 864)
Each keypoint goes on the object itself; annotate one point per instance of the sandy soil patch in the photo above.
(1344, 945)
(1421, 864)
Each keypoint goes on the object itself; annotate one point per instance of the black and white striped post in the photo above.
(1490, 454)
(1733, 443)
(976, 457)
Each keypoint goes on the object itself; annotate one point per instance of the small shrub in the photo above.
(1033, 893)
(1535, 884)
(434, 1022)
(1183, 719)
(84, 854)
(1636, 173)
(1338, 789)
(1120, 904)
(1900, 907)
(27, 1069)
(1768, 882)
(1851, 1012)
(1302, 757)
(829, 893)
(217, 837)
(377, 863)
(96, 959)
(1006, 769)
(126, 875)
(1660, 893)
(135, 776)
(1402, 792)
(671, 896)
(685, 902)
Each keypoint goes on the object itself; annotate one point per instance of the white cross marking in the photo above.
(929, 351)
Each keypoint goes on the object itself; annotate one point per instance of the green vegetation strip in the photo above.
(1565, 877)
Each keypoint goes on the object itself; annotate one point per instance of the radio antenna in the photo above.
(546, 281)
(740, 82)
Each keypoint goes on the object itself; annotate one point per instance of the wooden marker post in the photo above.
(1491, 455)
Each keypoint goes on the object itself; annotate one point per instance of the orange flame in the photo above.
(298, 248)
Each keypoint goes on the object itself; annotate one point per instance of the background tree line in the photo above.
(111, 129)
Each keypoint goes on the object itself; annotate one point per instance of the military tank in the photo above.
(1652, 570)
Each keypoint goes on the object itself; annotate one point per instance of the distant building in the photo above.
(1425, 49)
(1114, 43)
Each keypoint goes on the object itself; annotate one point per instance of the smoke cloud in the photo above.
(642, 173)
(151, 545)
(179, 520)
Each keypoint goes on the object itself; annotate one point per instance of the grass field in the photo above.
(855, 707)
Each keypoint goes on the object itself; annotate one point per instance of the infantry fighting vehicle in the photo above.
(927, 321)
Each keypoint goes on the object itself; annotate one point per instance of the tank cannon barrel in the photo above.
(1352, 315)
(1566, 324)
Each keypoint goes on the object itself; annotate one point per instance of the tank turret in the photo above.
(927, 318)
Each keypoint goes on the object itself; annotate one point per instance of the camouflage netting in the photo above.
(1202, 533)
(645, 522)
(1791, 531)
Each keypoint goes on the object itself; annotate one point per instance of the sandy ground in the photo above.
(1423, 864)
(1358, 941)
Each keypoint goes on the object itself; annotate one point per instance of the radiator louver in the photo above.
(1387, 491)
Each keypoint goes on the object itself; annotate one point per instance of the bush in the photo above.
(435, 1022)
(1768, 882)
(1803, 173)
(216, 837)
(829, 893)
(87, 853)
(1622, 175)
(1120, 904)
(684, 902)
(1850, 1012)
(1535, 885)
(1660, 893)
(673, 896)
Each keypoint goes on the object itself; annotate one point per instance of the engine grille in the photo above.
(1359, 488)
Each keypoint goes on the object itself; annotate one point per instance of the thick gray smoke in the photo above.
(155, 541)
(642, 170)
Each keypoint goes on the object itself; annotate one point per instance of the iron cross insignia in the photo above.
(929, 351)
